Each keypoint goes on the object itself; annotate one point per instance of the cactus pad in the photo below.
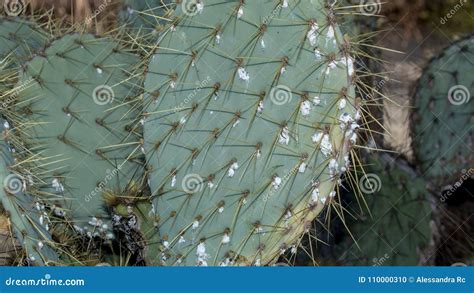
(444, 112)
(78, 115)
(250, 117)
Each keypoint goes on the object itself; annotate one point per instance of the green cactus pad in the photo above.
(27, 215)
(444, 113)
(250, 112)
(396, 228)
(78, 114)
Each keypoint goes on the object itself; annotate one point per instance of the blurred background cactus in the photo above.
(378, 123)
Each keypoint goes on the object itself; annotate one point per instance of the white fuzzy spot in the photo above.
(283, 70)
(315, 195)
(6, 125)
(276, 182)
(40, 244)
(220, 210)
(331, 33)
(166, 244)
(326, 146)
(182, 120)
(236, 123)
(260, 107)
(285, 4)
(313, 34)
(342, 104)
(353, 138)
(181, 240)
(240, 12)
(316, 101)
(232, 169)
(293, 249)
(57, 185)
(317, 54)
(347, 61)
(257, 262)
(99, 71)
(195, 225)
(262, 44)
(225, 239)
(333, 167)
(173, 84)
(201, 254)
(243, 74)
(199, 6)
(218, 38)
(173, 181)
(332, 194)
(302, 167)
(305, 108)
(317, 137)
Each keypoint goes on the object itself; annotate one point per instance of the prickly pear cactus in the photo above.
(145, 17)
(443, 112)
(27, 214)
(250, 118)
(392, 223)
(78, 114)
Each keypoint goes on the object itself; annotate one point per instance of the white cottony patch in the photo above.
(236, 123)
(332, 194)
(201, 254)
(232, 169)
(323, 200)
(225, 239)
(218, 38)
(317, 53)
(240, 12)
(227, 262)
(316, 101)
(354, 126)
(259, 154)
(199, 6)
(195, 224)
(6, 125)
(302, 167)
(317, 137)
(353, 138)
(332, 65)
(210, 184)
(315, 195)
(262, 44)
(260, 107)
(347, 61)
(182, 120)
(331, 33)
(288, 215)
(293, 249)
(99, 71)
(40, 244)
(283, 70)
(173, 84)
(284, 136)
(345, 119)
(130, 10)
(181, 240)
(305, 108)
(285, 4)
(333, 167)
(220, 210)
(243, 74)
(173, 181)
(257, 262)
(357, 116)
(342, 104)
(166, 244)
(57, 185)
(326, 146)
(276, 182)
(95, 222)
(313, 34)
